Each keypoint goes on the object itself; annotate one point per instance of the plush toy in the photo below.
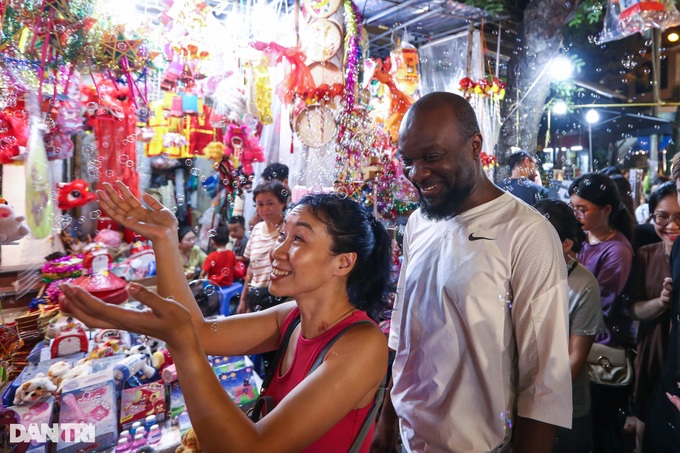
(81, 369)
(12, 227)
(62, 323)
(37, 389)
(189, 443)
(57, 371)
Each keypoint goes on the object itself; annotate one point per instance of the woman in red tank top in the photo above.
(333, 259)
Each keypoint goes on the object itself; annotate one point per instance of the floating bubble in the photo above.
(94, 215)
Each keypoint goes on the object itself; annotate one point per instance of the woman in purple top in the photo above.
(608, 255)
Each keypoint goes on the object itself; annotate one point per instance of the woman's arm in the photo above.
(347, 379)
(653, 308)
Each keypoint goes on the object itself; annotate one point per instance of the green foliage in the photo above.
(588, 11)
(492, 7)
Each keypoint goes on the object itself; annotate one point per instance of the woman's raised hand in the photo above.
(154, 223)
(164, 318)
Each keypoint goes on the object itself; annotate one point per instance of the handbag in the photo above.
(265, 404)
(610, 366)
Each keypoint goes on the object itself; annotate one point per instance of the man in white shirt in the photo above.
(480, 326)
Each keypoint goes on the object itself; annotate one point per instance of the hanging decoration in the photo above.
(399, 101)
(38, 199)
(487, 87)
(53, 33)
(111, 112)
(298, 78)
(74, 194)
(404, 69)
(625, 18)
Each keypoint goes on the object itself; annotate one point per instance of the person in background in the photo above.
(648, 292)
(272, 172)
(521, 182)
(192, 256)
(270, 199)
(334, 258)
(237, 232)
(661, 433)
(608, 255)
(625, 192)
(480, 322)
(218, 266)
(642, 212)
(585, 321)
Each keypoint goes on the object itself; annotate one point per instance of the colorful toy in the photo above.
(69, 343)
(132, 365)
(189, 443)
(107, 349)
(161, 359)
(73, 194)
(12, 227)
(137, 403)
(37, 389)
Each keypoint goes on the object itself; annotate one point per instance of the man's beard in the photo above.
(448, 205)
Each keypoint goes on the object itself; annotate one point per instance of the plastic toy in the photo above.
(132, 365)
(69, 343)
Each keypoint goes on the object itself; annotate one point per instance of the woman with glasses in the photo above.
(649, 290)
(608, 255)
(270, 201)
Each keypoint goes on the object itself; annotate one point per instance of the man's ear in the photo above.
(476, 142)
(346, 263)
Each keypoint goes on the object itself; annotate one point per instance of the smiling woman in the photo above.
(333, 258)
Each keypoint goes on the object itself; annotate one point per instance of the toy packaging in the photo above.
(36, 414)
(241, 385)
(90, 399)
(177, 404)
(137, 403)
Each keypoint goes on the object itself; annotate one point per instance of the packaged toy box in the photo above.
(137, 403)
(90, 399)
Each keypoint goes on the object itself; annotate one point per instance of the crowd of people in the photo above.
(501, 299)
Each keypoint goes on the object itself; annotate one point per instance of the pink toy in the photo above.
(12, 227)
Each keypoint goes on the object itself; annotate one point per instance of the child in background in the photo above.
(218, 267)
(237, 232)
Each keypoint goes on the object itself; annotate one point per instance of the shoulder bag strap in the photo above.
(266, 403)
(377, 401)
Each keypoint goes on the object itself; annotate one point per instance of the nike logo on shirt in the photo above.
(478, 238)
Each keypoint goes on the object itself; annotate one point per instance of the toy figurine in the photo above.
(132, 365)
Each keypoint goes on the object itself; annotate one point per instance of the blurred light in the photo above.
(673, 37)
(577, 148)
(560, 107)
(592, 116)
(560, 68)
(548, 150)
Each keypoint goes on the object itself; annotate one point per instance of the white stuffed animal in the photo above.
(81, 369)
(57, 371)
(12, 227)
(37, 389)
